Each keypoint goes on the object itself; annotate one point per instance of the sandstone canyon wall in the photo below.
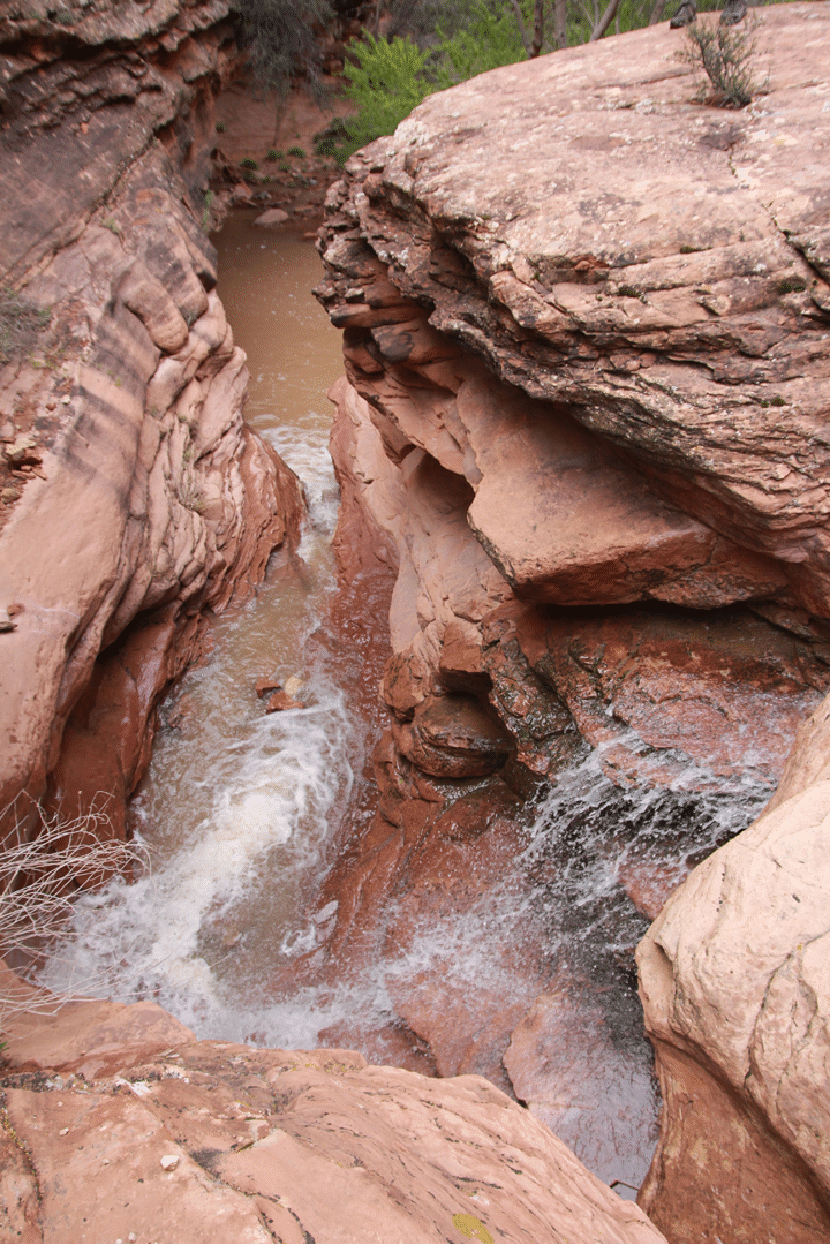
(586, 322)
(133, 496)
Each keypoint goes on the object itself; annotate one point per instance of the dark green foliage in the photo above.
(273, 154)
(297, 152)
(489, 40)
(249, 163)
(330, 140)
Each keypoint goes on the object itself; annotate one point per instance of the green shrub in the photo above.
(390, 79)
(220, 127)
(249, 163)
(386, 84)
(297, 152)
(725, 54)
(489, 41)
(273, 154)
(329, 141)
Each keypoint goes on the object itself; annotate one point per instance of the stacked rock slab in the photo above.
(585, 324)
(119, 1125)
(134, 496)
(586, 327)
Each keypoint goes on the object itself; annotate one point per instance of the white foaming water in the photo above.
(237, 809)
(238, 813)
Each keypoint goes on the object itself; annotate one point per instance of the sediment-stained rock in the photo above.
(586, 339)
(734, 982)
(209, 1141)
(142, 498)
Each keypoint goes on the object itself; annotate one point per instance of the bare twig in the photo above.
(41, 872)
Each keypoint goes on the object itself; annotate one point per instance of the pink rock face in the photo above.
(585, 334)
(146, 499)
(208, 1142)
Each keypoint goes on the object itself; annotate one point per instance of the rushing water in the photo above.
(237, 808)
(241, 811)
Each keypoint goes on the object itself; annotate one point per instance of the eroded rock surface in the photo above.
(207, 1141)
(586, 338)
(134, 497)
(734, 981)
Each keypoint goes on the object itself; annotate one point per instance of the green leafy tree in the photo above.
(386, 83)
(489, 40)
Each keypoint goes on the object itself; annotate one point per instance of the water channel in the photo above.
(242, 813)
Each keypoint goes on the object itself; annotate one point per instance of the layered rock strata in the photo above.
(134, 497)
(586, 323)
(117, 1123)
(596, 390)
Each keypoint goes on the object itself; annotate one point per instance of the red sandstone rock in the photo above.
(727, 690)
(281, 702)
(208, 1141)
(622, 392)
(154, 501)
(734, 987)
(454, 737)
(564, 1063)
(267, 686)
(275, 216)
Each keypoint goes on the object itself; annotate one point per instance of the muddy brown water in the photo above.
(244, 813)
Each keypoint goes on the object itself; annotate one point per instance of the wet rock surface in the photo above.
(211, 1140)
(585, 326)
(734, 986)
(138, 497)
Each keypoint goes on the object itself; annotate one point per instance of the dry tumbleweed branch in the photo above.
(42, 870)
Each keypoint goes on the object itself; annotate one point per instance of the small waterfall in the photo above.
(529, 932)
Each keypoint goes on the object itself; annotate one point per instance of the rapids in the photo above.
(241, 813)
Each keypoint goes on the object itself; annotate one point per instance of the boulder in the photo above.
(738, 1008)
(208, 1141)
(274, 216)
(585, 339)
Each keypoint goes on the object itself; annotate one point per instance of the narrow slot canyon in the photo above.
(439, 602)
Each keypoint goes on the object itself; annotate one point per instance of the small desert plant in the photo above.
(725, 53)
(192, 496)
(297, 152)
(220, 127)
(274, 154)
(42, 869)
(249, 163)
